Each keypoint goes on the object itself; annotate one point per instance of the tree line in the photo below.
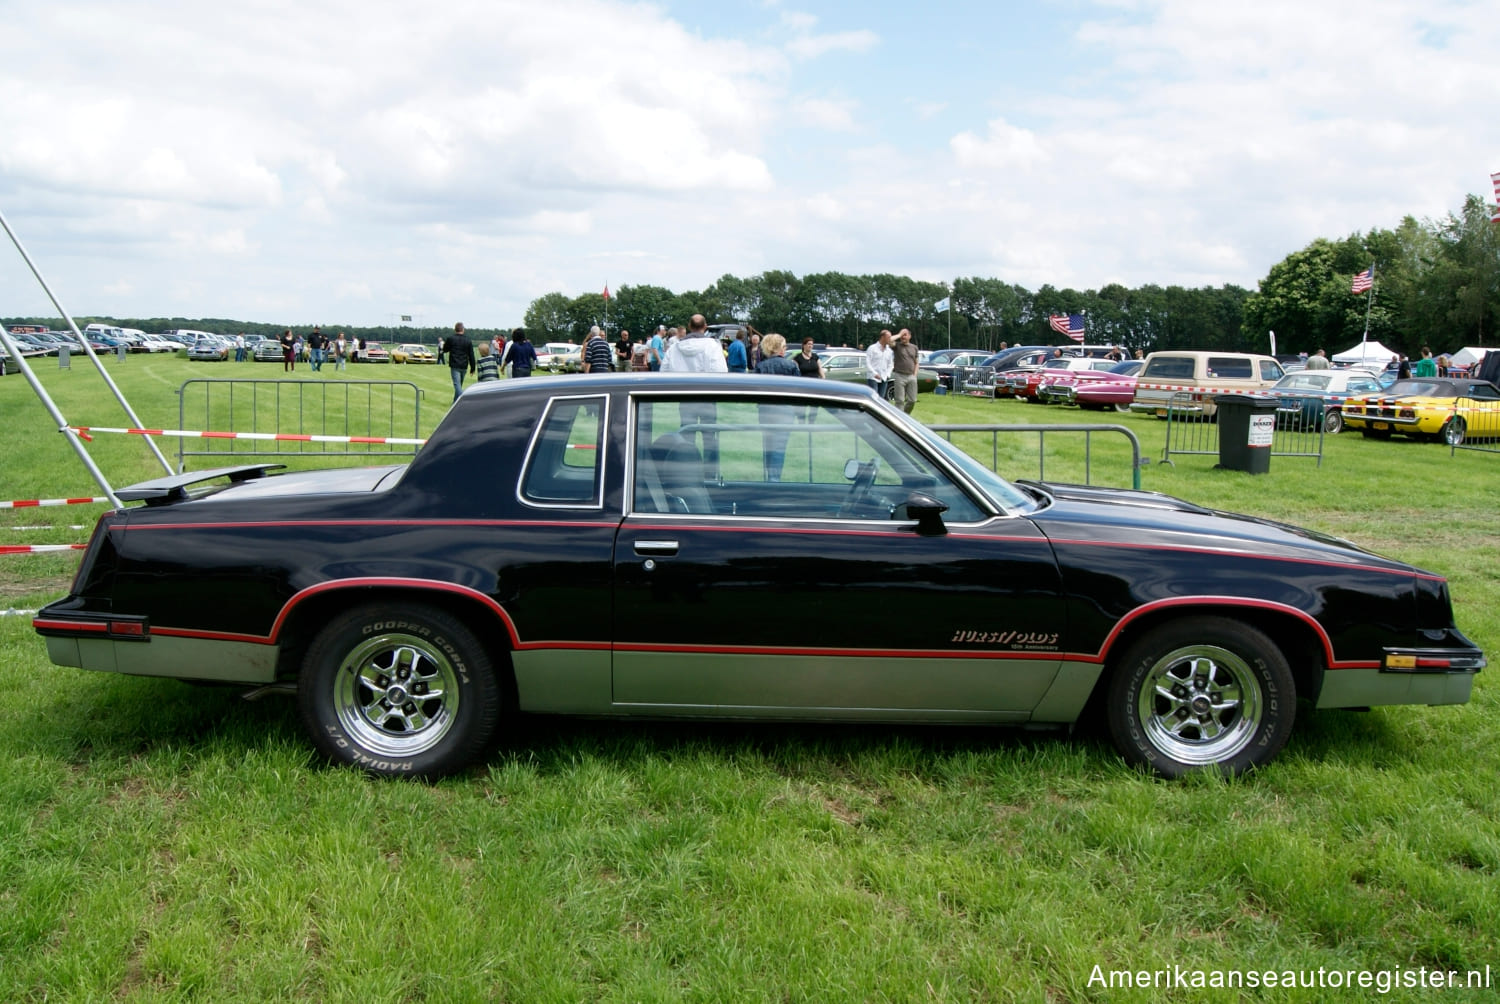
(1437, 283)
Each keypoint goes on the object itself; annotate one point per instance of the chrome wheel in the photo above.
(400, 688)
(1333, 422)
(1199, 705)
(1454, 431)
(396, 694)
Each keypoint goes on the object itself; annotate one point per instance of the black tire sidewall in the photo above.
(479, 709)
(1267, 664)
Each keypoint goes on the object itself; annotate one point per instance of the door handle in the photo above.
(667, 547)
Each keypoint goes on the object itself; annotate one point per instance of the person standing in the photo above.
(520, 355)
(657, 347)
(597, 355)
(288, 352)
(904, 372)
(1318, 360)
(340, 351)
(460, 353)
(622, 350)
(739, 356)
(1426, 366)
(239, 347)
(775, 419)
(694, 351)
(878, 362)
(808, 363)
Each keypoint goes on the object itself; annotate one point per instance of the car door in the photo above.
(762, 582)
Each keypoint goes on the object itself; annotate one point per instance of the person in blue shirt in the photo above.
(739, 359)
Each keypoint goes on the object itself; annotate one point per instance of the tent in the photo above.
(1467, 356)
(1367, 353)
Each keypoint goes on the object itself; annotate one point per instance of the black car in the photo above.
(599, 545)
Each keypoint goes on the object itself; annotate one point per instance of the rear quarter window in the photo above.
(564, 466)
(1230, 368)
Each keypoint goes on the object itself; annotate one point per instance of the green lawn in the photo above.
(160, 841)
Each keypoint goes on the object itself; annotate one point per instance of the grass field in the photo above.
(160, 841)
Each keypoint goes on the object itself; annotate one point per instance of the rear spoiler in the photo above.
(165, 491)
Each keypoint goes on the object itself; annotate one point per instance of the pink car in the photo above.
(1109, 389)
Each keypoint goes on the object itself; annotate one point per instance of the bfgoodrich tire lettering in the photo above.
(403, 691)
(1201, 693)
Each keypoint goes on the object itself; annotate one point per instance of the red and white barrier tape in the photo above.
(30, 503)
(1180, 389)
(38, 548)
(280, 437)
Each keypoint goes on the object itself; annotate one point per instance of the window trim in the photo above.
(597, 502)
(989, 508)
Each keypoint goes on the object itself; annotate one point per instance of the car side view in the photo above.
(588, 545)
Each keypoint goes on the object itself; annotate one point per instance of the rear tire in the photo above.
(1203, 693)
(399, 691)
(1333, 422)
(1454, 431)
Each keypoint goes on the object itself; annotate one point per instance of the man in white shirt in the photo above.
(879, 362)
(695, 352)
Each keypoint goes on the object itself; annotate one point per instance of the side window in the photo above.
(771, 459)
(564, 465)
(1230, 368)
(1270, 370)
(1170, 367)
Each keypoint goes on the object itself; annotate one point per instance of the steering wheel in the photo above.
(859, 492)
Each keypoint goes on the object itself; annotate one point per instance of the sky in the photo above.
(353, 161)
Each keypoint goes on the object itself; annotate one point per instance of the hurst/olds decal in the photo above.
(1031, 640)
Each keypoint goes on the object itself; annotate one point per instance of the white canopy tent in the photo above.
(1370, 353)
(1467, 356)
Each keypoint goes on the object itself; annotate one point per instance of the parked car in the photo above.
(267, 350)
(549, 355)
(1112, 390)
(851, 366)
(1026, 385)
(410, 607)
(945, 362)
(209, 350)
(1062, 386)
(1188, 380)
(412, 352)
(374, 352)
(1450, 409)
(1316, 397)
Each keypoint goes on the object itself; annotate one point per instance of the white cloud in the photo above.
(826, 113)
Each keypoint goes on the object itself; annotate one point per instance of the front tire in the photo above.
(1204, 693)
(399, 691)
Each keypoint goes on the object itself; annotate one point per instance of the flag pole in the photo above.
(1369, 301)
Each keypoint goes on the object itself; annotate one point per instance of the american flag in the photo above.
(1496, 179)
(1363, 281)
(1067, 324)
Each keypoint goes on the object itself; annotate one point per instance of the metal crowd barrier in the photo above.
(975, 381)
(1088, 432)
(368, 408)
(1300, 425)
(1474, 426)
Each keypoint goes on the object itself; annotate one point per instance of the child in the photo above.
(488, 366)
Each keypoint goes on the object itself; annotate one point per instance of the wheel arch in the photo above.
(1301, 640)
(304, 615)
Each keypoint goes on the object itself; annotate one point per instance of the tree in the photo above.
(547, 319)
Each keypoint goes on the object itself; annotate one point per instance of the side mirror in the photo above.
(926, 510)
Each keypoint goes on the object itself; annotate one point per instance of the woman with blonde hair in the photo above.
(773, 357)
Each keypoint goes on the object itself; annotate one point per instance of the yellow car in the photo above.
(1450, 409)
(411, 352)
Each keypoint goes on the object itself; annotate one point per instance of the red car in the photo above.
(1025, 383)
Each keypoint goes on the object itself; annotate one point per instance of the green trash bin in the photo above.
(1247, 426)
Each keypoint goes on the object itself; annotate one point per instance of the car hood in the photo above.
(1150, 519)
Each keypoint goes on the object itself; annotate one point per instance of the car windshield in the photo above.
(1001, 491)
